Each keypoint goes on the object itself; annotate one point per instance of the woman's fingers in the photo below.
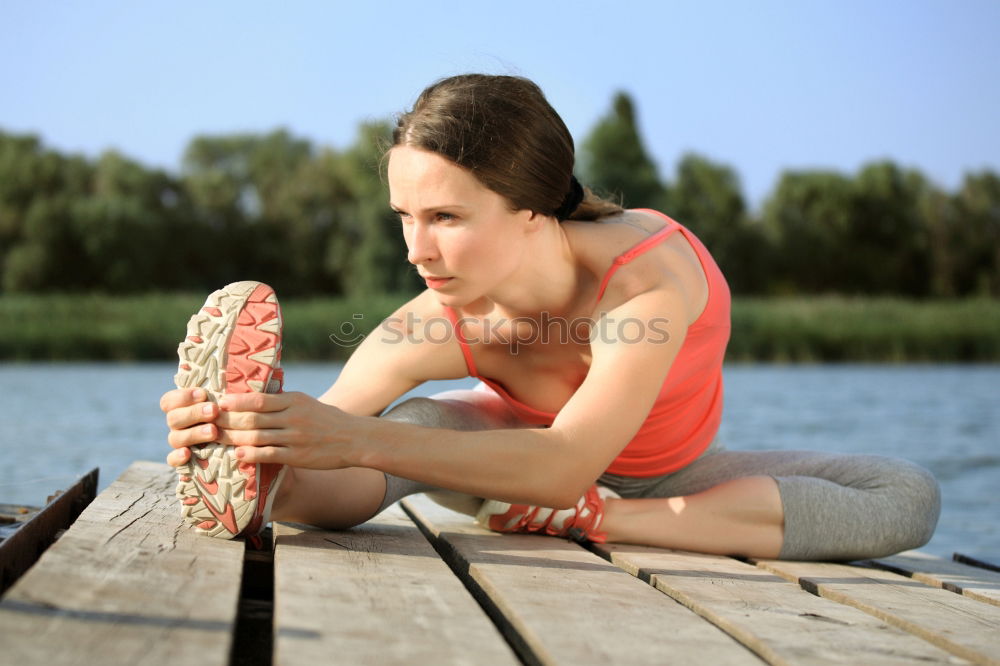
(201, 434)
(189, 417)
(185, 417)
(256, 402)
(194, 423)
(253, 419)
(251, 438)
(182, 397)
(264, 454)
(178, 457)
(249, 420)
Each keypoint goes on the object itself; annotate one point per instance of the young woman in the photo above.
(598, 335)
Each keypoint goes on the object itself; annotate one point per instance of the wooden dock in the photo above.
(129, 584)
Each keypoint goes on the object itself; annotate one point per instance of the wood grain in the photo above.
(776, 619)
(976, 583)
(963, 626)
(20, 550)
(561, 604)
(981, 561)
(128, 583)
(375, 594)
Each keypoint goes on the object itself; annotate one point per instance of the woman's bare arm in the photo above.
(549, 467)
(387, 364)
(393, 359)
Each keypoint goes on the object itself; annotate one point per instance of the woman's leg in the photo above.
(789, 504)
(738, 517)
(341, 498)
(480, 409)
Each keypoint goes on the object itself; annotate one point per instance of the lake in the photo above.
(58, 421)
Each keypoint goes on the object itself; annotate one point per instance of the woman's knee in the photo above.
(448, 413)
(911, 502)
(919, 490)
(876, 506)
(418, 411)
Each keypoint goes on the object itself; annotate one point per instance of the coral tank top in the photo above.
(686, 415)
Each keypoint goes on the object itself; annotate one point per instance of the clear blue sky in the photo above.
(761, 86)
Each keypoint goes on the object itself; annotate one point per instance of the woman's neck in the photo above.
(550, 279)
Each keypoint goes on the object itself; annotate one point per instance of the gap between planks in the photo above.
(126, 584)
(778, 620)
(560, 604)
(376, 593)
(974, 582)
(964, 626)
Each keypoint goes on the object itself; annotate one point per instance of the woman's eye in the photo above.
(445, 216)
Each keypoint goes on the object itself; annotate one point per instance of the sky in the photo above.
(760, 86)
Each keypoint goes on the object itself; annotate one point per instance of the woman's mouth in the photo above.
(436, 282)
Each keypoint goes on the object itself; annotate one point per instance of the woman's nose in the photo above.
(421, 247)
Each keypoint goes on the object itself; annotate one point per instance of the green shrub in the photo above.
(100, 327)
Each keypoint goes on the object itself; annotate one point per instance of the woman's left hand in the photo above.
(288, 428)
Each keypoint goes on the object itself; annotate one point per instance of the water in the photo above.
(58, 421)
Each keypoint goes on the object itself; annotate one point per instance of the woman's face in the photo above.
(461, 236)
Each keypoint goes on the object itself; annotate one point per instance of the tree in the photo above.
(370, 251)
(36, 188)
(270, 207)
(615, 163)
(888, 237)
(946, 260)
(236, 186)
(706, 198)
(312, 205)
(866, 235)
(126, 226)
(47, 256)
(808, 220)
(245, 172)
(977, 207)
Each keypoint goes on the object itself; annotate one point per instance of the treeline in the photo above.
(883, 231)
(270, 207)
(315, 220)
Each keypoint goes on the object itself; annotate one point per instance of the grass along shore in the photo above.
(807, 329)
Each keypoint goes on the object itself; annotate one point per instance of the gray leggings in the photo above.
(836, 507)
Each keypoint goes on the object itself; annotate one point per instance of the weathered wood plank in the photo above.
(12, 516)
(776, 619)
(22, 548)
(375, 594)
(963, 626)
(980, 584)
(991, 563)
(560, 604)
(126, 584)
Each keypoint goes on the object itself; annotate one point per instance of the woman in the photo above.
(598, 335)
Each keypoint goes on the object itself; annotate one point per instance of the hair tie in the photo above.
(572, 200)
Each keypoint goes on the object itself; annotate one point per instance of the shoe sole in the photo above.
(233, 345)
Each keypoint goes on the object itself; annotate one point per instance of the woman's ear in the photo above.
(533, 221)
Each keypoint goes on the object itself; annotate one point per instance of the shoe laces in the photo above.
(582, 526)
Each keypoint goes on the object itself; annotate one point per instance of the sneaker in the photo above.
(580, 523)
(233, 345)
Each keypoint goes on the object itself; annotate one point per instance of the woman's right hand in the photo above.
(190, 417)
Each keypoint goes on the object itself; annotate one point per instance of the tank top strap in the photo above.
(463, 345)
(640, 248)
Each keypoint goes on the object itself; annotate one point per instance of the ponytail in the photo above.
(593, 208)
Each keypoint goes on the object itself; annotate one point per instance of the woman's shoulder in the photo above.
(672, 264)
(597, 244)
(615, 234)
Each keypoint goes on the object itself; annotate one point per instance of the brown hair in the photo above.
(504, 131)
